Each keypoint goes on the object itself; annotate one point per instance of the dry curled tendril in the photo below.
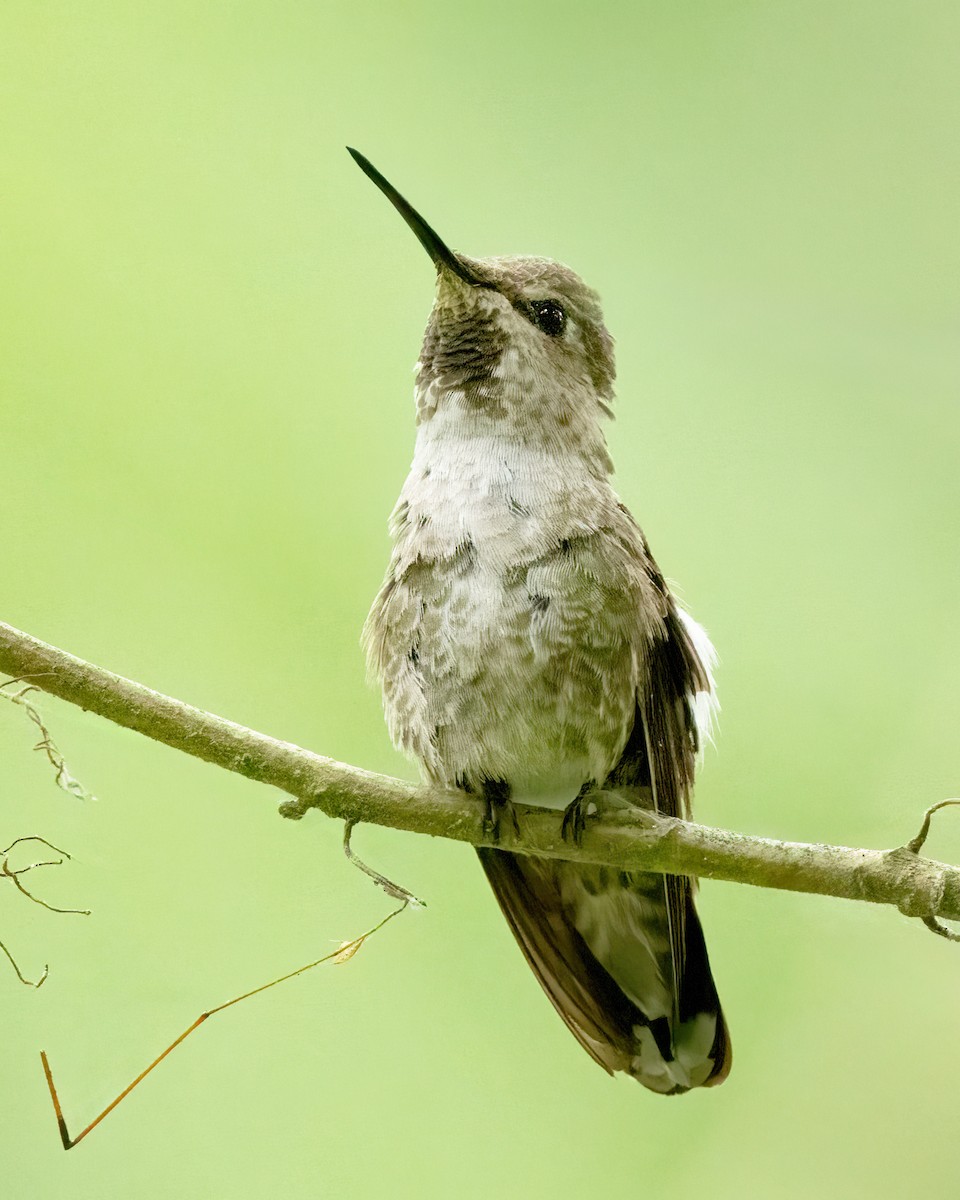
(14, 875)
(64, 780)
(46, 745)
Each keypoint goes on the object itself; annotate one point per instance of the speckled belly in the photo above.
(528, 676)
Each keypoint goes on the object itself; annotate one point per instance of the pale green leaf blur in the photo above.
(208, 318)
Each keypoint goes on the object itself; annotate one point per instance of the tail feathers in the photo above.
(599, 942)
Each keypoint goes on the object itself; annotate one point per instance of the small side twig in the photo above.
(393, 890)
(915, 845)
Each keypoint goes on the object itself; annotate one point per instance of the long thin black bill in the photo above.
(438, 250)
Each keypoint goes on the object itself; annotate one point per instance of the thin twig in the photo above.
(343, 952)
(20, 975)
(623, 839)
(8, 873)
(915, 845)
(32, 837)
(393, 890)
(13, 876)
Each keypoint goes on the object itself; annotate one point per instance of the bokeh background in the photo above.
(207, 323)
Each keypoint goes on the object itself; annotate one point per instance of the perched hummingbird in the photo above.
(529, 650)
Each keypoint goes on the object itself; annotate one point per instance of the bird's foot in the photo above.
(575, 815)
(496, 806)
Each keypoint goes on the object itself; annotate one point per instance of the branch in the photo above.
(626, 839)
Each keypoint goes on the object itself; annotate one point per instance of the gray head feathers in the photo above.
(519, 351)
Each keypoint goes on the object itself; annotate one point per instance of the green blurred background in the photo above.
(207, 324)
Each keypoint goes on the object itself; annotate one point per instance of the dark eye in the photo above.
(549, 316)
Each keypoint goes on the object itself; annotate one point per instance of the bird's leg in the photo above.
(496, 805)
(575, 815)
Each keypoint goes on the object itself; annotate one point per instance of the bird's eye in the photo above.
(549, 316)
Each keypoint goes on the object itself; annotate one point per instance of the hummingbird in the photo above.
(530, 651)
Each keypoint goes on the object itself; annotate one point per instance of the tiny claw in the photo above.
(493, 815)
(496, 802)
(490, 821)
(575, 816)
(573, 823)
